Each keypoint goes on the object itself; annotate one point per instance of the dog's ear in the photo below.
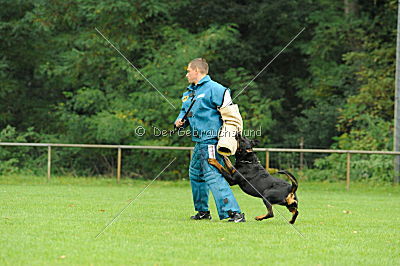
(255, 142)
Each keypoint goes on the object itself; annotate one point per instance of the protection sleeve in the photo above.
(232, 124)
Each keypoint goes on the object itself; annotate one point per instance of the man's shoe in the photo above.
(237, 218)
(201, 216)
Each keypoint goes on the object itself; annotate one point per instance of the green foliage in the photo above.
(366, 168)
(333, 86)
(14, 159)
(373, 133)
(317, 124)
(352, 67)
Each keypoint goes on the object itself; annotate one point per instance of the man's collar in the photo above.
(202, 81)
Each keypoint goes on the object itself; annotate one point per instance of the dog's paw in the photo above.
(260, 218)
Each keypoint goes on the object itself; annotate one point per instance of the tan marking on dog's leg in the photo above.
(229, 165)
(270, 213)
(261, 217)
(290, 199)
(215, 163)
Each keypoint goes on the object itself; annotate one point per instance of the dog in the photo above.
(254, 180)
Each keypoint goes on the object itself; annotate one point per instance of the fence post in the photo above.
(119, 165)
(301, 154)
(266, 160)
(48, 162)
(348, 171)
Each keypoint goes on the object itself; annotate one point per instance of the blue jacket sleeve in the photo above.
(182, 114)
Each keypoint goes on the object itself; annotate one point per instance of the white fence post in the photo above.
(348, 171)
(119, 165)
(49, 162)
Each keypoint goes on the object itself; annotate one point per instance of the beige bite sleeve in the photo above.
(233, 123)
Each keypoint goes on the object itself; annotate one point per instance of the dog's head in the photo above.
(245, 145)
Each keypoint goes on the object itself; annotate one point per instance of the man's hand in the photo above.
(179, 123)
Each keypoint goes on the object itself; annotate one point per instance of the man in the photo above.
(205, 121)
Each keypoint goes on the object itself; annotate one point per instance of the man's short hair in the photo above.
(200, 64)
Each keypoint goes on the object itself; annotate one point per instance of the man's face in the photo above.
(192, 75)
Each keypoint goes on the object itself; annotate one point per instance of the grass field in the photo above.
(56, 223)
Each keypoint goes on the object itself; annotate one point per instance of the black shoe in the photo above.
(237, 218)
(201, 216)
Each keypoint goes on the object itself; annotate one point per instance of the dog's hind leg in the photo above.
(270, 213)
(295, 212)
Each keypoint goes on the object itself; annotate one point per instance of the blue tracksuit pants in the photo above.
(205, 177)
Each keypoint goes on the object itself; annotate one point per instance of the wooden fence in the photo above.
(119, 148)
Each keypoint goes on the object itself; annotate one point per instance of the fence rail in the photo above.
(138, 147)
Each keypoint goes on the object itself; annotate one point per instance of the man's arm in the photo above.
(179, 120)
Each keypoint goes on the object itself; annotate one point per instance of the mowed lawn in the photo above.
(56, 222)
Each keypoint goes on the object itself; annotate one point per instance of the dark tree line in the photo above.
(61, 81)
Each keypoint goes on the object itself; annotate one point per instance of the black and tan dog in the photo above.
(254, 180)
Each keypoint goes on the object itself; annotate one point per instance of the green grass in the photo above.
(56, 223)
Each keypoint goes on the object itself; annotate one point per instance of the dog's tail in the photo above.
(293, 179)
(290, 199)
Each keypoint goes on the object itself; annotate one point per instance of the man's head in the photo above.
(196, 70)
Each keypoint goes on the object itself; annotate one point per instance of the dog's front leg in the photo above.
(229, 165)
(233, 180)
(225, 173)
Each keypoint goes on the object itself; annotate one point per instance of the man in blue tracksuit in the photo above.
(205, 121)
